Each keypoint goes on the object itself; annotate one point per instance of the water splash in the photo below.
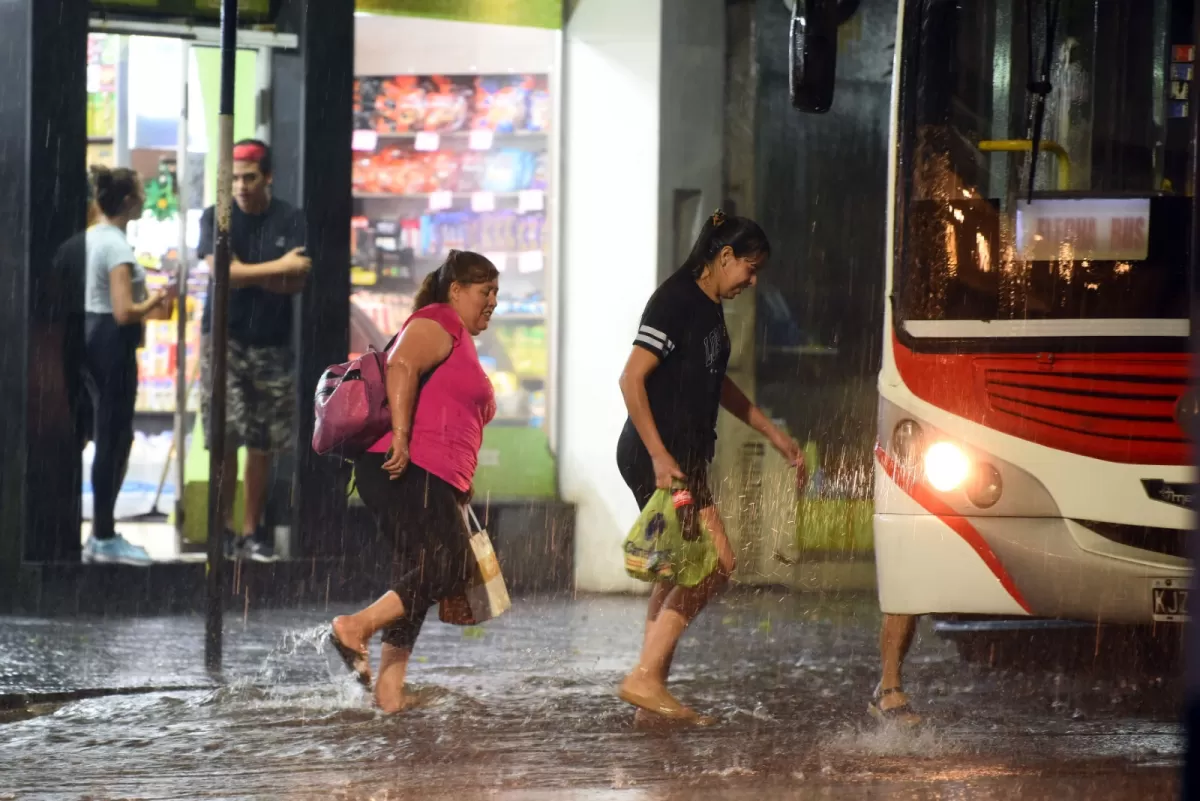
(896, 739)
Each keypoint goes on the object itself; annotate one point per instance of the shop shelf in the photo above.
(425, 196)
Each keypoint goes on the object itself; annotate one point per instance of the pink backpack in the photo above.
(351, 406)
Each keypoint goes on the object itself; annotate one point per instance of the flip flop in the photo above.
(903, 714)
(355, 661)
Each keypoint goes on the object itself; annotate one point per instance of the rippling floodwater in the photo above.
(523, 708)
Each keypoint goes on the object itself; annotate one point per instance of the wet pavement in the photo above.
(523, 709)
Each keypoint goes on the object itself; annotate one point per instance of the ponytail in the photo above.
(720, 231)
(460, 267)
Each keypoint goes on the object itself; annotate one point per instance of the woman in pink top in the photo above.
(417, 480)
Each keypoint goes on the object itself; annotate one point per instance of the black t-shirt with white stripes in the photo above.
(684, 328)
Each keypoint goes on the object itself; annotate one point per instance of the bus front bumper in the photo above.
(1013, 566)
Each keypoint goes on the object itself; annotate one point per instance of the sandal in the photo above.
(902, 713)
(356, 661)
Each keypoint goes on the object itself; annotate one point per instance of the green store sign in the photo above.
(248, 10)
(528, 13)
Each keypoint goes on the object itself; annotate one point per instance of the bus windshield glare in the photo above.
(1105, 234)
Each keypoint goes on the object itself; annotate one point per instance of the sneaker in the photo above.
(231, 545)
(256, 551)
(115, 550)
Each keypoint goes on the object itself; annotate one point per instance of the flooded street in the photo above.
(524, 708)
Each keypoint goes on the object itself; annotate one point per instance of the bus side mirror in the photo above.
(812, 50)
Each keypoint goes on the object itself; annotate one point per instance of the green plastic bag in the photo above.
(657, 550)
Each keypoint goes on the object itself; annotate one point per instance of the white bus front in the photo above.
(1031, 458)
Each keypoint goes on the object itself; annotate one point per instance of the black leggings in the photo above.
(423, 515)
(111, 374)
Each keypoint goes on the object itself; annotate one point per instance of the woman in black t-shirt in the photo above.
(674, 384)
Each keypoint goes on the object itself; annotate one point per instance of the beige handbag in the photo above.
(486, 595)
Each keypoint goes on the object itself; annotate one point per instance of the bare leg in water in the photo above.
(389, 687)
(672, 608)
(356, 630)
(658, 597)
(895, 639)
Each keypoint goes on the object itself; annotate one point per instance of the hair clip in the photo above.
(718, 218)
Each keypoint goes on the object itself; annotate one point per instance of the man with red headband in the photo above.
(269, 266)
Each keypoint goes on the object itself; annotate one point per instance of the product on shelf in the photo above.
(399, 103)
(432, 235)
(541, 172)
(363, 119)
(502, 102)
(509, 170)
(401, 171)
(472, 168)
(406, 104)
(540, 109)
(447, 104)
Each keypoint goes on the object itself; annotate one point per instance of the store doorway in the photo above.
(152, 107)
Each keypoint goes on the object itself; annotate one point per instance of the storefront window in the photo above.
(461, 159)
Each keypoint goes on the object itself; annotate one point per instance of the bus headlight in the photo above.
(985, 486)
(946, 466)
(907, 439)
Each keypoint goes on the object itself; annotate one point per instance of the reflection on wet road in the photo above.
(523, 708)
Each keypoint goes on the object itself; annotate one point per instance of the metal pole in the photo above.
(181, 382)
(218, 482)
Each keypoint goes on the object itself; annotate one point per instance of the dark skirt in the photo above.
(424, 518)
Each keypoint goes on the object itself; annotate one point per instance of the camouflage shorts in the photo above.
(260, 396)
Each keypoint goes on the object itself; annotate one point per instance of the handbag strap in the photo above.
(473, 526)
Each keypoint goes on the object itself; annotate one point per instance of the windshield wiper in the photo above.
(1039, 81)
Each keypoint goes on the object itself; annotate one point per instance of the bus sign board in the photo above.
(1094, 229)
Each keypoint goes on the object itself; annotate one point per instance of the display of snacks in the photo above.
(157, 358)
(407, 104)
(400, 171)
(412, 189)
(513, 355)
(157, 362)
(487, 232)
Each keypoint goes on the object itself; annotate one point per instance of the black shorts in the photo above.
(424, 518)
(637, 468)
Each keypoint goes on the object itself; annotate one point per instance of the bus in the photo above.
(1031, 460)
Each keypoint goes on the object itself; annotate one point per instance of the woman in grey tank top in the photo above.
(116, 305)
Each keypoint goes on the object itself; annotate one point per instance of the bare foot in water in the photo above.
(646, 693)
(647, 720)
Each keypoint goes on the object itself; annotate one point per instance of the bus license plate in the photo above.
(1170, 600)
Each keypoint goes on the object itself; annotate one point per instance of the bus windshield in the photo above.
(1104, 236)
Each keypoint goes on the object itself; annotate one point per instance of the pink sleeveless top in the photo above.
(454, 404)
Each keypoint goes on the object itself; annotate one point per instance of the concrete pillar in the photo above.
(643, 165)
(43, 59)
